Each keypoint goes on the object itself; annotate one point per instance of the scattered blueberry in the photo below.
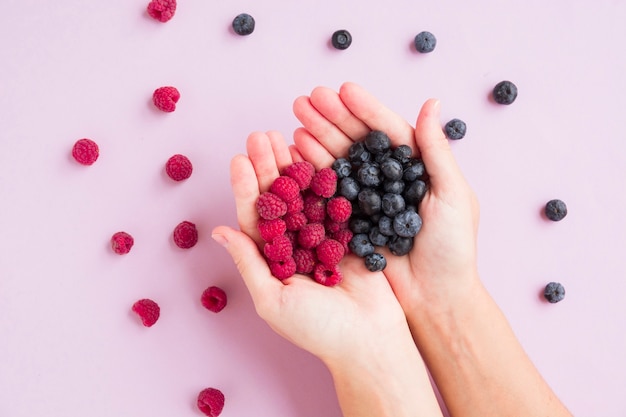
(505, 92)
(341, 39)
(556, 210)
(455, 129)
(375, 262)
(407, 223)
(395, 187)
(349, 188)
(413, 170)
(425, 42)
(415, 192)
(554, 292)
(400, 246)
(360, 245)
(392, 169)
(377, 238)
(392, 204)
(357, 153)
(369, 201)
(357, 225)
(385, 226)
(243, 24)
(402, 153)
(342, 167)
(377, 142)
(369, 174)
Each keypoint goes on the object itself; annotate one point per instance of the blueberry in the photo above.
(369, 174)
(400, 245)
(554, 292)
(425, 42)
(369, 201)
(413, 170)
(342, 167)
(391, 169)
(556, 210)
(341, 39)
(505, 92)
(415, 192)
(357, 153)
(377, 238)
(455, 129)
(349, 188)
(385, 226)
(357, 225)
(243, 24)
(395, 187)
(381, 157)
(392, 204)
(360, 245)
(402, 153)
(407, 224)
(375, 262)
(377, 141)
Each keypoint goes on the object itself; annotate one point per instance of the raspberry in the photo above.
(329, 252)
(148, 311)
(279, 249)
(302, 172)
(178, 167)
(243, 24)
(293, 238)
(333, 226)
(269, 229)
(339, 209)
(165, 98)
(305, 260)
(295, 205)
(328, 276)
(555, 210)
(211, 402)
(270, 206)
(85, 151)
(285, 187)
(314, 208)
(554, 292)
(214, 299)
(425, 42)
(311, 235)
(162, 10)
(341, 39)
(295, 221)
(455, 129)
(283, 269)
(344, 237)
(185, 235)
(505, 92)
(324, 182)
(122, 242)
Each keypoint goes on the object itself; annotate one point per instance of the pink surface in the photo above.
(69, 344)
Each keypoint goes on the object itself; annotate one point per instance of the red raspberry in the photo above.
(305, 260)
(122, 242)
(302, 172)
(293, 238)
(178, 167)
(185, 235)
(165, 98)
(314, 208)
(329, 252)
(328, 276)
(283, 269)
(295, 205)
(324, 182)
(339, 209)
(333, 227)
(311, 235)
(270, 206)
(344, 237)
(279, 249)
(148, 311)
(285, 187)
(214, 299)
(295, 221)
(269, 229)
(162, 10)
(211, 402)
(85, 151)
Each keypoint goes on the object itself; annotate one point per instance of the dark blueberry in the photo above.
(360, 245)
(392, 169)
(377, 141)
(400, 245)
(395, 187)
(455, 129)
(415, 192)
(381, 157)
(407, 224)
(369, 174)
(425, 42)
(375, 262)
(392, 204)
(556, 210)
(414, 169)
(505, 92)
(402, 153)
(375, 217)
(341, 39)
(342, 167)
(377, 238)
(357, 225)
(349, 188)
(554, 292)
(243, 24)
(369, 201)
(357, 153)
(385, 226)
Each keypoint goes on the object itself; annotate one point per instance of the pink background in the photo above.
(69, 344)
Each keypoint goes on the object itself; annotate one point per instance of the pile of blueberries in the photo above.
(385, 186)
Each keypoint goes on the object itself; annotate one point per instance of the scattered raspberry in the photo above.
(344, 237)
(311, 235)
(302, 172)
(285, 187)
(314, 208)
(211, 402)
(122, 242)
(328, 276)
(178, 167)
(185, 235)
(333, 226)
(269, 229)
(148, 311)
(339, 209)
(293, 238)
(295, 221)
(305, 260)
(270, 206)
(214, 299)
(85, 151)
(295, 205)
(165, 98)
(162, 10)
(324, 182)
(279, 249)
(329, 252)
(284, 269)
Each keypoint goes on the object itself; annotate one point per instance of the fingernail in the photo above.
(220, 239)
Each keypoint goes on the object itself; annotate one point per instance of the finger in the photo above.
(296, 156)
(282, 155)
(261, 154)
(311, 149)
(328, 103)
(246, 191)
